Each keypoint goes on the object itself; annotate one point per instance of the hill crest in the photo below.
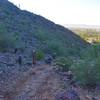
(28, 30)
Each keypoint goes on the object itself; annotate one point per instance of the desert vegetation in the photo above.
(90, 35)
(87, 68)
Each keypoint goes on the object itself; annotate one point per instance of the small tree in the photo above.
(39, 55)
(63, 63)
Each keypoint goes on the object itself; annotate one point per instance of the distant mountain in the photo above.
(25, 30)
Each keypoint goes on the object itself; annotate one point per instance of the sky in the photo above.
(64, 12)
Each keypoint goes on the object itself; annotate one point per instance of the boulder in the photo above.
(48, 59)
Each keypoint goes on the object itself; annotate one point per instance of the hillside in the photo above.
(74, 67)
(27, 30)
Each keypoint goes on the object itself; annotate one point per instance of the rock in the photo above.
(10, 64)
(61, 96)
(32, 73)
(29, 64)
(93, 98)
(72, 95)
(90, 97)
(1, 96)
(69, 75)
(97, 88)
(68, 95)
(48, 59)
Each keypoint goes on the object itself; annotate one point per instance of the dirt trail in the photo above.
(39, 83)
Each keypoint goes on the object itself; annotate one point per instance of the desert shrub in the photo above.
(6, 43)
(41, 34)
(3, 44)
(92, 52)
(39, 55)
(6, 39)
(74, 51)
(63, 63)
(87, 70)
(57, 47)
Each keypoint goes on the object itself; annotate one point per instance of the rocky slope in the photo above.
(27, 30)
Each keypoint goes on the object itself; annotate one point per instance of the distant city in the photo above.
(82, 26)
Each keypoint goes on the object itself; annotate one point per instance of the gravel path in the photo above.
(39, 83)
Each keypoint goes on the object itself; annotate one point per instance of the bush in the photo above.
(88, 73)
(6, 43)
(87, 70)
(39, 55)
(92, 52)
(63, 63)
(57, 47)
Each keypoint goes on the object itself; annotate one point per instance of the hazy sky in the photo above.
(64, 11)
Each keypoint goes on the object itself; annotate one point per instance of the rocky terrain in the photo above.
(21, 32)
(42, 83)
